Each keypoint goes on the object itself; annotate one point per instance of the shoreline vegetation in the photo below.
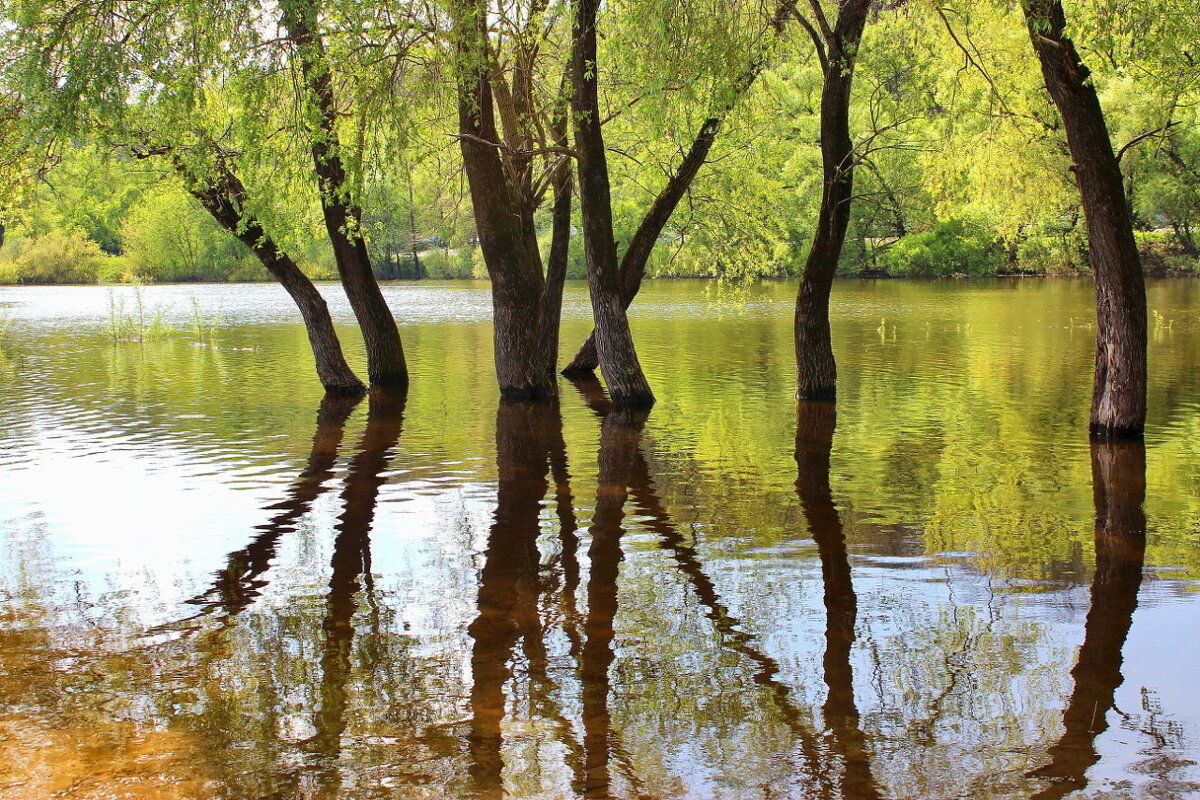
(58, 258)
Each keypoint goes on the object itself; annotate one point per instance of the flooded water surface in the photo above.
(215, 583)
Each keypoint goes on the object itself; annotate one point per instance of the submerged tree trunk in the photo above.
(1119, 383)
(343, 217)
(515, 272)
(225, 198)
(627, 385)
(816, 372)
(633, 263)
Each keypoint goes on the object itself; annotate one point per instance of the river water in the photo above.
(215, 585)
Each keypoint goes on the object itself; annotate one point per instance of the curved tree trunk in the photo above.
(627, 385)
(343, 217)
(633, 263)
(816, 372)
(1119, 383)
(224, 198)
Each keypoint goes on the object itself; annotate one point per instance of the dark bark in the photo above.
(1119, 382)
(1119, 489)
(627, 385)
(637, 254)
(505, 234)
(815, 424)
(560, 241)
(224, 197)
(342, 215)
(816, 372)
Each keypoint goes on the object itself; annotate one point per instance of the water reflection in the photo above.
(242, 580)
(815, 423)
(510, 580)
(351, 562)
(1119, 489)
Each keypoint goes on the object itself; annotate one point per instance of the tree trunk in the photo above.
(225, 198)
(633, 263)
(1119, 489)
(343, 217)
(515, 272)
(1119, 383)
(560, 243)
(627, 385)
(816, 372)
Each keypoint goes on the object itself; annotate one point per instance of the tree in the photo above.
(627, 385)
(837, 47)
(1119, 383)
(224, 196)
(633, 263)
(505, 192)
(342, 214)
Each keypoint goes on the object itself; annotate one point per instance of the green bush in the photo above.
(1055, 247)
(950, 248)
(59, 257)
(441, 264)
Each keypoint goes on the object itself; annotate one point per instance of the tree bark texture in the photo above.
(816, 372)
(342, 215)
(627, 385)
(560, 242)
(506, 239)
(1119, 490)
(1119, 382)
(224, 197)
(637, 254)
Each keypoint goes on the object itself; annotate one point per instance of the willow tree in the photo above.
(728, 92)
(495, 69)
(341, 212)
(1119, 381)
(837, 49)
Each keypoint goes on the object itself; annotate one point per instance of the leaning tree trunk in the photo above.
(225, 199)
(633, 262)
(560, 242)
(627, 385)
(343, 217)
(515, 272)
(1119, 382)
(816, 372)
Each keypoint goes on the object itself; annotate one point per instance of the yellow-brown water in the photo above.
(214, 585)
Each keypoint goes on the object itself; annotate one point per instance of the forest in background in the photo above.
(963, 166)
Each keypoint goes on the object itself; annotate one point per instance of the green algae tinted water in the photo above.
(215, 585)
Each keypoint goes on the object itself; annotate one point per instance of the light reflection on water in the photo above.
(216, 585)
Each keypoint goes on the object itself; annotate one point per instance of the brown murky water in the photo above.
(213, 584)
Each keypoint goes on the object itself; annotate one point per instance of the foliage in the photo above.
(949, 248)
(56, 257)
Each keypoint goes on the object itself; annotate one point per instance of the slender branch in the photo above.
(1141, 137)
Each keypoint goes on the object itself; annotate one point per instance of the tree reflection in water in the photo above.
(815, 423)
(1119, 490)
(352, 561)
